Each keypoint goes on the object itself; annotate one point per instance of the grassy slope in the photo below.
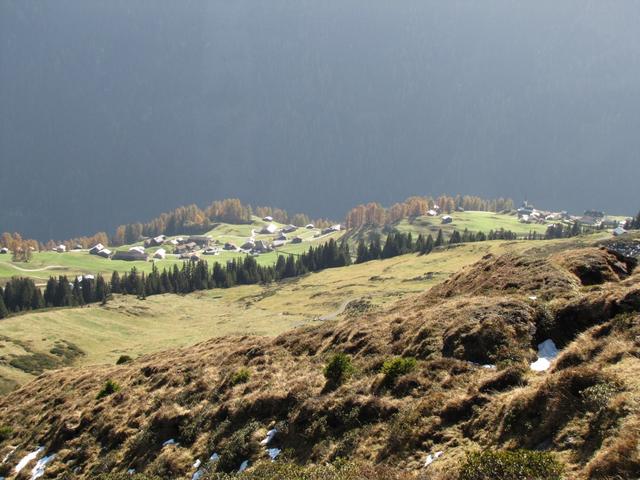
(584, 409)
(45, 264)
(134, 327)
(474, 221)
(130, 326)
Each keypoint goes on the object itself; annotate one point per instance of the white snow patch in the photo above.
(488, 366)
(547, 351)
(432, 458)
(28, 458)
(214, 458)
(197, 464)
(38, 470)
(270, 434)
(243, 466)
(273, 453)
(171, 441)
(533, 297)
(131, 471)
(198, 475)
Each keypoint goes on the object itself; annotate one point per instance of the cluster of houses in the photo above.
(101, 251)
(257, 247)
(185, 248)
(192, 247)
(527, 213)
(282, 236)
(445, 219)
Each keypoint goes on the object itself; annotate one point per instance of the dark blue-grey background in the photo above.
(113, 111)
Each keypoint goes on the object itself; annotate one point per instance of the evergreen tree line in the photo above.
(635, 223)
(193, 276)
(559, 230)
(22, 294)
(398, 243)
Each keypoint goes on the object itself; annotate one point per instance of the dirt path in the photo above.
(333, 315)
(49, 267)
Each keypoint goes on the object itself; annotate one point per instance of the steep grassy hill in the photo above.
(446, 370)
(133, 327)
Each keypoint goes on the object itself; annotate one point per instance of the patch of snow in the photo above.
(131, 471)
(547, 351)
(28, 458)
(197, 464)
(432, 458)
(38, 470)
(270, 434)
(214, 458)
(171, 441)
(488, 366)
(273, 453)
(533, 297)
(243, 466)
(198, 475)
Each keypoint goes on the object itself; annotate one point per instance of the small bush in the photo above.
(338, 369)
(396, 367)
(506, 465)
(108, 388)
(124, 359)
(5, 433)
(238, 448)
(596, 397)
(241, 376)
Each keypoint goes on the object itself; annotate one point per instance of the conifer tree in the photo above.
(4, 312)
(429, 244)
(362, 253)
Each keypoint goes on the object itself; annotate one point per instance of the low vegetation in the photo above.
(441, 402)
(5, 433)
(123, 359)
(338, 369)
(507, 465)
(109, 388)
(394, 368)
(240, 376)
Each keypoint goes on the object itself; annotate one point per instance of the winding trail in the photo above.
(48, 267)
(341, 309)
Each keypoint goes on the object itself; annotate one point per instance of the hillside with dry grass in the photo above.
(407, 389)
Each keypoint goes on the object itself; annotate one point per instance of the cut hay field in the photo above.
(473, 221)
(135, 327)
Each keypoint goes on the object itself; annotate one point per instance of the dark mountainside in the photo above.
(112, 112)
